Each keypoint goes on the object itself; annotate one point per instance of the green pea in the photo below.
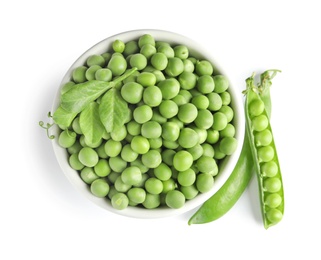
(170, 131)
(112, 177)
(228, 131)
(179, 100)
(208, 150)
(75, 148)
(67, 138)
(174, 67)
(221, 83)
(140, 144)
(187, 113)
(152, 96)
(228, 112)
(95, 60)
(201, 102)
(204, 182)
(220, 121)
(204, 67)
(158, 117)
(188, 65)
(117, 164)
(188, 138)
(186, 178)
(137, 195)
(263, 138)
(75, 163)
(168, 156)
(182, 160)
(151, 201)
(91, 71)
(133, 128)
(118, 46)
(99, 188)
(154, 186)
(204, 119)
(131, 175)
(269, 169)
(206, 164)
(189, 192)
(273, 200)
(146, 39)
(131, 47)
(260, 123)
(152, 159)
(205, 84)
(107, 57)
(181, 51)
(151, 129)
(167, 50)
(175, 199)
(117, 65)
(102, 168)
(88, 157)
(128, 154)
(88, 175)
(256, 107)
(120, 186)
(120, 134)
(159, 75)
(226, 98)
(265, 153)
(168, 185)
(169, 88)
(113, 148)
(272, 184)
(163, 172)
(132, 92)
(155, 143)
(142, 114)
(274, 215)
(215, 101)
(103, 75)
(119, 201)
(228, 145)
(146, 79)
(213, 136)
(138, 60)
(159, 61)
(187, 80)
(79, 74)
(148, 50)
(168, 109)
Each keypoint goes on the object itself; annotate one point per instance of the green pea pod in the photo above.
(225, 198)
(265, 155)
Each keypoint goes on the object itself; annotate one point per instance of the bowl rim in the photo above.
(228, 165)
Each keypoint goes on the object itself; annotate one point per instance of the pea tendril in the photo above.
(47, 126)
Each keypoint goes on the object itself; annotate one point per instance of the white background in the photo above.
(44, 217)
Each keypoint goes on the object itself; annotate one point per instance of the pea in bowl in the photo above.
(148, 124)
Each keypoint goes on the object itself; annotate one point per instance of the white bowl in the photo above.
(225, 169)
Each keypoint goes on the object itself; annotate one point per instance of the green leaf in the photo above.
(113, 110)
(90, 124)
(77, 98)
(62, 117)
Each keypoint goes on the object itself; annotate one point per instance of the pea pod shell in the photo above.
(250, 96)
(225, 198)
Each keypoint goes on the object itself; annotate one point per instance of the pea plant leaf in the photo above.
(113, 110)
(90, 124)
(80, 95)
(63, 118)
(77, 98)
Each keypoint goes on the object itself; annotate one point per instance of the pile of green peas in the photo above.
(265, 152)
(179, 129)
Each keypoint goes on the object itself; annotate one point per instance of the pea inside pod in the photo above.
(264, 154)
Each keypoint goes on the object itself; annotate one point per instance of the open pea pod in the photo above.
(265, 156)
